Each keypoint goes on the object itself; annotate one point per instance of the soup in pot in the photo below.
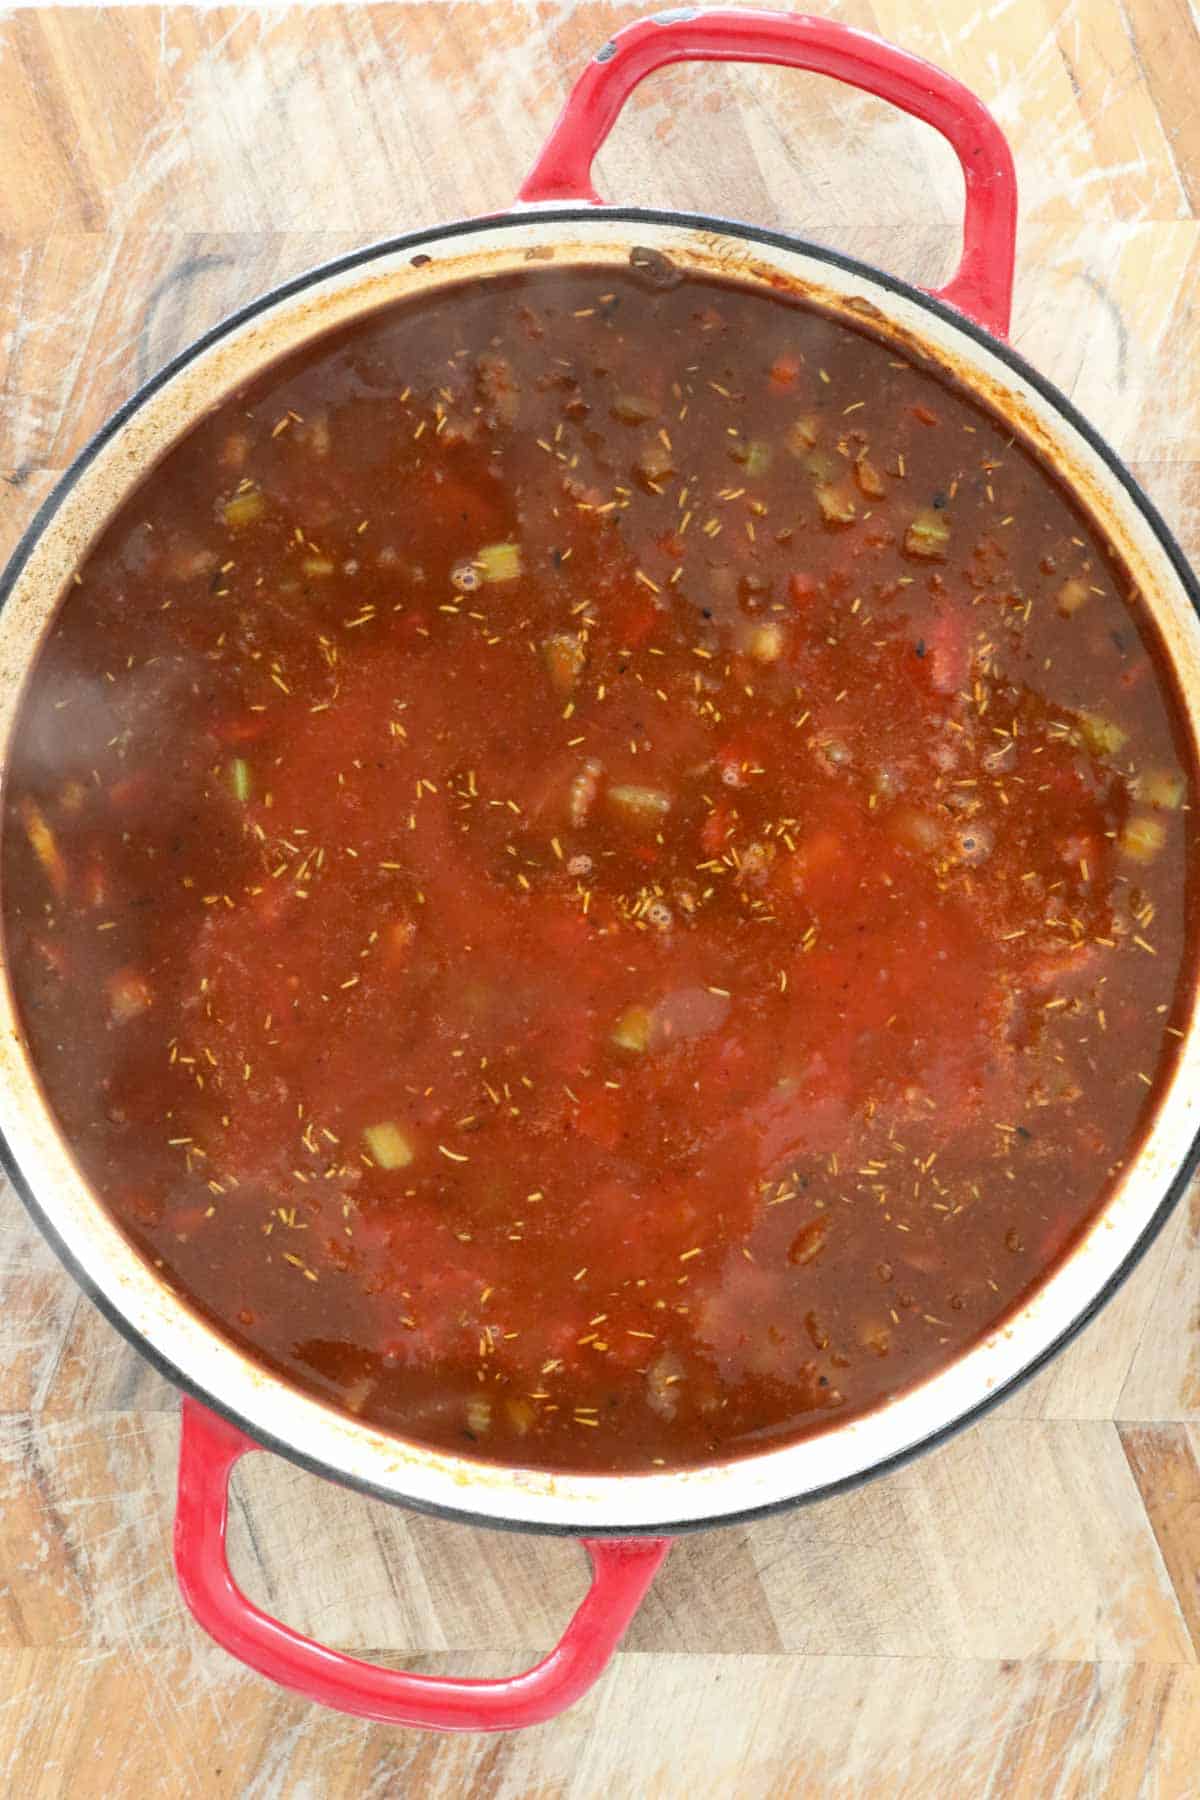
(597, 869)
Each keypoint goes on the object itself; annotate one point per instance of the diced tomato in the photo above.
(396, 942)
(243, 728)
(820, 866)
(784, 371)
(96, 889)
(714, 833)
(186, 1221)
(738, 756)
(801, 587)
(636, 621)
(948, 650)
(472, 513)
(53, 953)
(1135, 674)
(599, 1117)
(130, 792)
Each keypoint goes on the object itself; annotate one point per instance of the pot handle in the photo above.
(622, 1570)
(982, 285)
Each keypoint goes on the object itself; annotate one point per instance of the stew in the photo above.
(597, 870)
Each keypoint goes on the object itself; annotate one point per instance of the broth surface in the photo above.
(598, 871)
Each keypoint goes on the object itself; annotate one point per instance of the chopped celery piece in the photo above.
(499, 562)
(1101, 736)
(632, 1029)
(642, 805)
(1071, 596)
(388, 1145)
(758, 458)
(244, 508)
(1143, 838)
(239, 778)
(1161, 787)
(928, 535)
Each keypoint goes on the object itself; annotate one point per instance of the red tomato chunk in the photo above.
(597, 871)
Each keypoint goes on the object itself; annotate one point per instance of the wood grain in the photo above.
(1014, 1618)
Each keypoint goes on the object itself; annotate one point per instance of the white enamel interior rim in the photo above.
(267, 1405)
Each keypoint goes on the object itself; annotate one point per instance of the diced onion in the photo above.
(584, 788)
(1071, 596)
(870, 481)
(638, 805)
(836, 502)
(803, 434)
(128, 995)
(809, 1241)
(655, 462)
(1162, 787)
(479, 1414)
(662, 1383)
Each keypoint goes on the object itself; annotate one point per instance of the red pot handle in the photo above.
(623, 1569)
(982, 285)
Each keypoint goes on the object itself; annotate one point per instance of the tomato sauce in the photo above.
(598, 872)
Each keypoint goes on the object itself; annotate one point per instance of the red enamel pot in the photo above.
(233, 1405)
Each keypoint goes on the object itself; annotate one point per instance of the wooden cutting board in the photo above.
(1017, 1615)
